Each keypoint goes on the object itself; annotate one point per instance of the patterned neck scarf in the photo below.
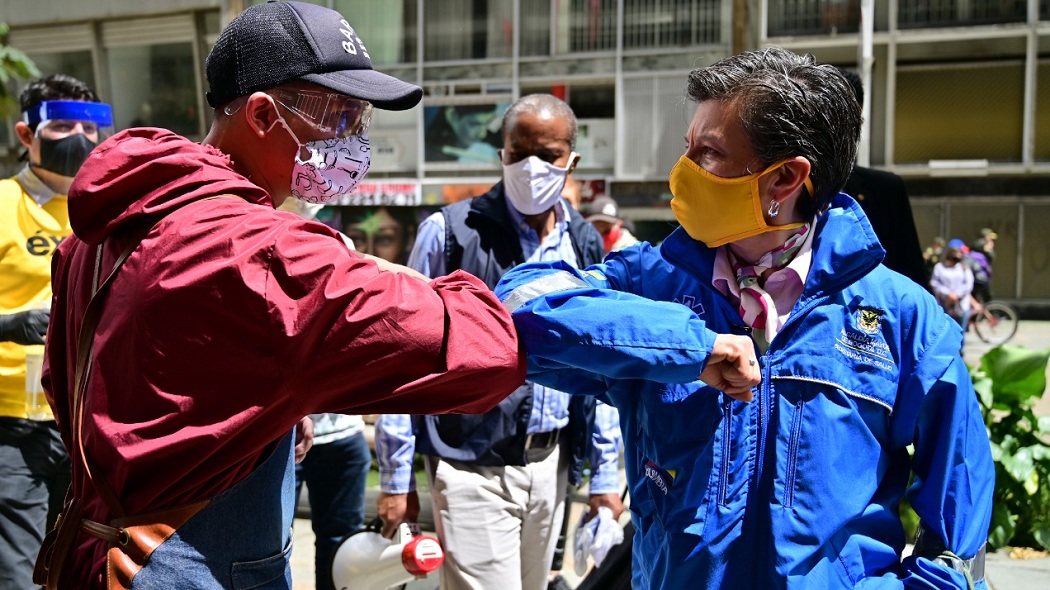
(758, 307)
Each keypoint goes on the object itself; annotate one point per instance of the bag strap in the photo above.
(85, 341)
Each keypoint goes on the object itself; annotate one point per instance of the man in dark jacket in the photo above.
(498, 479)
(884, 199)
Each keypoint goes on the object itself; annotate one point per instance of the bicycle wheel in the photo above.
(999, 325)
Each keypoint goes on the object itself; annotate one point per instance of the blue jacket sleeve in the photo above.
(577, 328)
(952, 462)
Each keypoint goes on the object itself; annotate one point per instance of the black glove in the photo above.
(25, 327)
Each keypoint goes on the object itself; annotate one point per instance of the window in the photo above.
(74, 63)
(153, 86)
(156, 72)
(467, 29)
(388, 29)
(941, 110)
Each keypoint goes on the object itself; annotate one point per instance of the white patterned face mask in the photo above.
(334, 167)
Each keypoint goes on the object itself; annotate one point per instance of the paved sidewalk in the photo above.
(1005, 573)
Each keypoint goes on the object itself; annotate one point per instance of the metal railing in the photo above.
(591, 24)
(813, 17)
(917, 14)
(824, 17)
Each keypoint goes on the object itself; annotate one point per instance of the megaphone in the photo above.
(366, 560)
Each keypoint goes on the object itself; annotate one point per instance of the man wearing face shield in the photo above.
(194, 325)
(61, 122)
(771, 374)
(498, 479)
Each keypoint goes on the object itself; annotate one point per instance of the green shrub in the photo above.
(1009, 381)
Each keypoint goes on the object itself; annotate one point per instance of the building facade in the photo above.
(959, 93)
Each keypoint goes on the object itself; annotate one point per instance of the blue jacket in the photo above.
(799, 488)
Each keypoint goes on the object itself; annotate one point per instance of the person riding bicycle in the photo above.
(952, 282)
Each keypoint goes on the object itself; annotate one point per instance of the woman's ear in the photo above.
(786, 183)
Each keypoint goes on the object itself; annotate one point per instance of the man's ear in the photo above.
(260, 113)
(24, 133)
(574, 159)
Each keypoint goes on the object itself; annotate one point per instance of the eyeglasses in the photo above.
(330, 112)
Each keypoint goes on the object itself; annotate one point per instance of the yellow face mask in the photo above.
(716, 210)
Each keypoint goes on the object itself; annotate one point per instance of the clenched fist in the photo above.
(732, 367)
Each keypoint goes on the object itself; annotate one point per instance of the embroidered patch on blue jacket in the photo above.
(863, 341)
(690, 302)
(663, 478)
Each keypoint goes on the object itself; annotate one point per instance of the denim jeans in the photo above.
(34, 476)
(241, 540)
(335, 475)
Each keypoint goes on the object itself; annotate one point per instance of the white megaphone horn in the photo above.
(366, 560)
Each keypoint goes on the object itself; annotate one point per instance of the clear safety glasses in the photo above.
(330, 112)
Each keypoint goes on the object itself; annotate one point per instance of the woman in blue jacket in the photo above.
(770, 373)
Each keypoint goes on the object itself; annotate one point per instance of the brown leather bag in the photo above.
(139, 537)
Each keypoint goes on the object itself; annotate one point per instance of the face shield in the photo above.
(67, 131)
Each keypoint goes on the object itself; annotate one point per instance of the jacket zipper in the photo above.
(763, 424)
(796, 435)
(727, 447)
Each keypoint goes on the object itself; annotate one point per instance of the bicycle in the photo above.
(994, 322)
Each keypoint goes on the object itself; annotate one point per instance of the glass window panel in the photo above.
(944, 114)
(671, 23)
(154, 86)
(388, 29)
(929, 219)
(536, 27)
(587, 100)
(467, 29)
(385, 27)
(465, 134)
(813, 17)
(1042, 112)
(1035, 266)
(914, 14)
(591, 25)
(73, 63)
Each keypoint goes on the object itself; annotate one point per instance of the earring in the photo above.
(774, 208)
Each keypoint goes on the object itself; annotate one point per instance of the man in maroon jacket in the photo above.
(223, 321)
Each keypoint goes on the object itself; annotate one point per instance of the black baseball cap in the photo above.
(273, 43)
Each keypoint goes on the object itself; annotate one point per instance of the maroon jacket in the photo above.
(231, 321)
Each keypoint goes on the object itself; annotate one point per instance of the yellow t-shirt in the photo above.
(29, 235)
